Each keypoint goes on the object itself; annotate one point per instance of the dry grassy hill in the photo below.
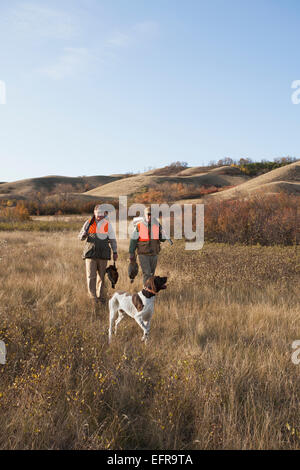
(22, 189)
(285, 179)
(194, 170)
(222, 170)
(85, 188)
(220, 177)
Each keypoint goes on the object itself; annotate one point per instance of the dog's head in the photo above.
(156, 283)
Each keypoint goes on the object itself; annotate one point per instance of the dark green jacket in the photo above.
(96, 248)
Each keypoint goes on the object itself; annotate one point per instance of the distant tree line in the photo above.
(245, 164)
(251, 168)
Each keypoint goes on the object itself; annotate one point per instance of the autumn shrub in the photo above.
(169, 192)
(16, 213)
(55, 206)
(267, 220)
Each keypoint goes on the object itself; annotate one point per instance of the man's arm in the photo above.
(133, 243)
(162, 236)
(83, 232)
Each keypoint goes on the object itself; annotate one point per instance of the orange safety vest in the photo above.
(97, 247)
(101, 227)
(144, 232)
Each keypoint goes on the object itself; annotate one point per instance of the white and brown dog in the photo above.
(138, 306)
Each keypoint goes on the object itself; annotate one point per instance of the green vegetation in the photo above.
(250, 168)
(257, 168)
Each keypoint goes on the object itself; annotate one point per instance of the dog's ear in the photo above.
(137, 302)
(150, 284)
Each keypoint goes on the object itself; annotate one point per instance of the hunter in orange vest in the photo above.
(97, 252)
(146, 240)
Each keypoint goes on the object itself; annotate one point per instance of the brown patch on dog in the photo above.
(137, 302)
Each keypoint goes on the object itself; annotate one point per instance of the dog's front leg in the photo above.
(146, 335)
(120, 318)
(139, 319)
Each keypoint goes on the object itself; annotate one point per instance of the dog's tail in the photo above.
(113, 310)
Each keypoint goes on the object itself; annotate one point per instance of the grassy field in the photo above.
(216, 373)
(44, 224)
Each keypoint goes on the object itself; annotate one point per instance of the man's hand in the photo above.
(115, 256)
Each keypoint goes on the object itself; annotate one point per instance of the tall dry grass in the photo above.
(216, 373)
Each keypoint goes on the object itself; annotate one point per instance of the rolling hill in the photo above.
(286, 178)
(50, 185)
(220, 177)
(105, 187)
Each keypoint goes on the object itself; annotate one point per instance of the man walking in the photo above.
(146, 239)
(100, 239)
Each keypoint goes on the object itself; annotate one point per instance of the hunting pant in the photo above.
(95, 272)
(148, 264)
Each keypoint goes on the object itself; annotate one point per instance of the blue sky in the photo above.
(109, 86)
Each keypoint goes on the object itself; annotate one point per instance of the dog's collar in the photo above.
(148, 293)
